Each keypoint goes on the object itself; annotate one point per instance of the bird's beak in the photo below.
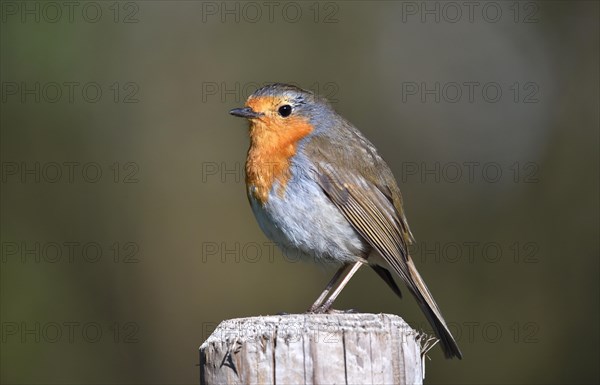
(245, 112)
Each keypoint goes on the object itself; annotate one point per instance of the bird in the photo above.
(318, 186)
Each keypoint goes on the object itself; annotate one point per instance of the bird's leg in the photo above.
(328, 288)
(345, 273)
(341, 286)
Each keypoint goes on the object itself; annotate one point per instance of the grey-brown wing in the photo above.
(375, 217)
(370, 213)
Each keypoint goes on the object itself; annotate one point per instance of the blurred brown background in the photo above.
(126, 234)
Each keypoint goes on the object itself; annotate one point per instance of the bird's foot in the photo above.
(328, 310)
(347, 311)
(317, 310)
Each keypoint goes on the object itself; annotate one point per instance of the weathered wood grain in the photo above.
(312, 349)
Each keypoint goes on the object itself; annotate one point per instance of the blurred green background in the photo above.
(126, 233)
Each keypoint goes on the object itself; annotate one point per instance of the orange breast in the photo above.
(273, 142)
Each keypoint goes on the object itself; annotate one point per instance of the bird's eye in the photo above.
(285, 110)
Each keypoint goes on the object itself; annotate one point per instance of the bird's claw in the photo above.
(323, 310)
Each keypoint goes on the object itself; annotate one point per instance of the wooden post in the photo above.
(341, 348)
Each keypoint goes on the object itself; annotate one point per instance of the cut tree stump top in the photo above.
(342, 348)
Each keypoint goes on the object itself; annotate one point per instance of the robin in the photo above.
(318, 186)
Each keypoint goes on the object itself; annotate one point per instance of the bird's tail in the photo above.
(432, 312)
